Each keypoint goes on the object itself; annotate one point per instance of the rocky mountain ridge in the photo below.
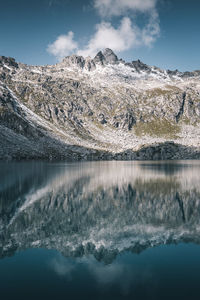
(100, 108)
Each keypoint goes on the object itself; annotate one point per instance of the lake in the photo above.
(100, 230)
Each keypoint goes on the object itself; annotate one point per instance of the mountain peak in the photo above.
(106, 57)
(110, 56)
(99, 58)
(8, 61)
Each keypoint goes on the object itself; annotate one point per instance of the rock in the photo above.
(9, 61)
(110, 56)
(74, 60)
(99, 58)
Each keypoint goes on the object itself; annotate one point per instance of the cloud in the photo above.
(106, 36)
(62, 266)
(151, 31)
(64, 45)
(108, 8)
(118, 273)
(127, 35)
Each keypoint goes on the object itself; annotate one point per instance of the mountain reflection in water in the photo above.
(97, 211)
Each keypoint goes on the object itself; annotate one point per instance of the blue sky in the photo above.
(164, 33)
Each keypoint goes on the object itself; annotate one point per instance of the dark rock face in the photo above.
(161, 151)
(75, 60)
(8, 61)
(110, 56)
(181, 110)
(99, 58)
(106, 57)
(140, 66)
(102, 58)
(130, 120)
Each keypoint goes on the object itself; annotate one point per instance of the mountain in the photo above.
(100, 108)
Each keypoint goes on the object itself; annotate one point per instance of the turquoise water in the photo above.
(100, 230)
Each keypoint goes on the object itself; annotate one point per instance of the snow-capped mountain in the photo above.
(100, 108)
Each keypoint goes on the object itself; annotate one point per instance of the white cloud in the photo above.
(151, 31)
(128, 35)
(64, 45)
(108, 8)
(62, 266)
(106, 36)
(117, 273)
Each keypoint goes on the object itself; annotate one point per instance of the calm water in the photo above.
(100, 230)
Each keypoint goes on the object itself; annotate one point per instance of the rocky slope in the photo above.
(101, 108)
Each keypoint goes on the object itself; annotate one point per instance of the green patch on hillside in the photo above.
(187, 121)
(158, 92)
(167, 91)
(158, 128)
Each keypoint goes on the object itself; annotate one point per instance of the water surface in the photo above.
(100, 230)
